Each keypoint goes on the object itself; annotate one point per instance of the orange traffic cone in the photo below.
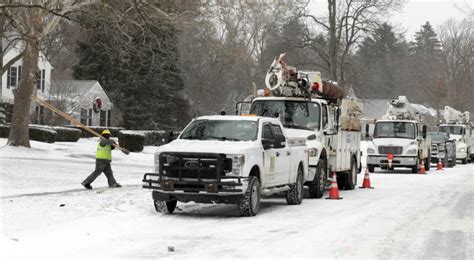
(390, 159)
(440, 165)
(366, 183)
(334, 191)
(422, 167)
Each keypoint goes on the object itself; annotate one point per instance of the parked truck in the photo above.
(229, 159)
(399, 139)
(318, 111)
(457, 125)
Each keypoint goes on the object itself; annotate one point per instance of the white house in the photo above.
(11, 78)
(84, 99)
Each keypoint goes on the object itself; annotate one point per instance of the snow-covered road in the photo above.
(45, 213)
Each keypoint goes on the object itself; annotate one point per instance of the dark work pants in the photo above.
(101, 166)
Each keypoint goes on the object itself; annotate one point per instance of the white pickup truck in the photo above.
(229, 159)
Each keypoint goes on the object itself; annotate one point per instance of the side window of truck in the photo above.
(279, 137)
(267, 132)
(325, 116)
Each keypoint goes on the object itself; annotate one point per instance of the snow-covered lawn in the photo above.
(46, 213)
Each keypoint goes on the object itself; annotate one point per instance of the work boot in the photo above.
(87, 186)
(116, 185)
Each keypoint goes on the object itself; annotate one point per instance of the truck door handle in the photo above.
(277, 154)
(288, 152)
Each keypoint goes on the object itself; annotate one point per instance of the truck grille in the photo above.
(194, 165)
(390, 149)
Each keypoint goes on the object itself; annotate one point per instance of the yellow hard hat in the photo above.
(106, 132)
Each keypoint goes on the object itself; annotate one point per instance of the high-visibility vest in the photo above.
(104, 152)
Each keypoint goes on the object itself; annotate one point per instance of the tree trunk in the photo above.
(19, 135)
(332, 39)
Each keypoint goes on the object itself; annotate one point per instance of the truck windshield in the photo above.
(225, 130)
(452, 129)
(438, 137)
(293, 114)
(394, 130)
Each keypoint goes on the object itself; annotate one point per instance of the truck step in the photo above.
(271, 191)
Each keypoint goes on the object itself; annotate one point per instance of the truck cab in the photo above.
(229, 159)
(461, 134)
(404, 141)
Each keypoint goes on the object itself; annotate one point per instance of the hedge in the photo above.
(113, 130)
(66, 134)
(131, 140)
(4, 130)
(42, 134)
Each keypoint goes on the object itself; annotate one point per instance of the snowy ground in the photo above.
(46, 213)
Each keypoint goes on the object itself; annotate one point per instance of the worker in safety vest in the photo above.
(102, 162)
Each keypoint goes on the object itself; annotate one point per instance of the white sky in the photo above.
(415, 13)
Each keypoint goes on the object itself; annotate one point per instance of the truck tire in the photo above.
(165, 206)
(295, 195)
(250, 204)
(318, 185)
(371, 168)
(464, 161)
(428, 162)
(351, 178)
(415, 168)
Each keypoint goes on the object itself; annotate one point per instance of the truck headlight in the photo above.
(156, 165)
(370, 150)
(312, 152)
(238, 161)
(411, 151)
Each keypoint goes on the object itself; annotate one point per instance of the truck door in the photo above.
(273, 157)
(283, 156)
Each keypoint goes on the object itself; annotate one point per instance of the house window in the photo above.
(83, 116)
(103, 115)
(108, 117)
(12, 77)
(40, 74)
(89, 118)
(39, 119)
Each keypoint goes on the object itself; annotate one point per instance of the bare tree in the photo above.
(457, 39)
(344, 24)
(34, 20)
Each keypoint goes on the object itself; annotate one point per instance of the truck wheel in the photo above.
(165, 206)
(295, 195)
(464, 161)
(250, 204)
(415, 168)
(371, 168)
(428, 163)
(351, 177)
(317, 186)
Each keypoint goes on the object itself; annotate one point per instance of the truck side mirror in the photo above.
(424, 129)
(267, 143)
(367, 131)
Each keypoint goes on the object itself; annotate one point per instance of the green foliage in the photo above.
(132, 141)
(4, 131)
(426, 43)
(98, 129)
(135, 59)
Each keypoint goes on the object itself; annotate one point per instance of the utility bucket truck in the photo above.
(457, 125)
(317, 111)
(399, 139)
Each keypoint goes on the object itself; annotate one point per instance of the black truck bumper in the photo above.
(197, 197)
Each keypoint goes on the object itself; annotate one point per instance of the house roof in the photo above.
(80, 87)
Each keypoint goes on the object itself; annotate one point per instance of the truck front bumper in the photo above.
(226, 190)
(398, 161)
(461, 155)
(228, 198)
